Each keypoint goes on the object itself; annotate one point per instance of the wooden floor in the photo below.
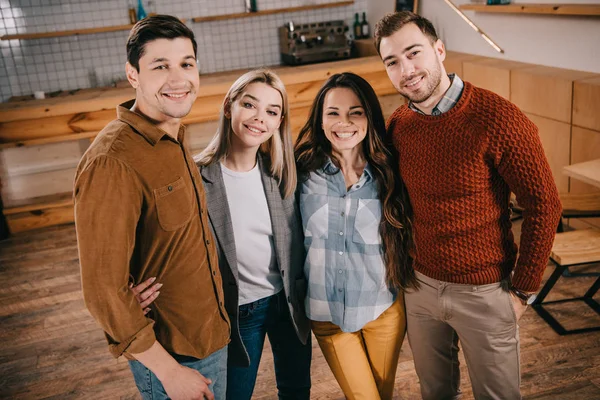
(51, 348)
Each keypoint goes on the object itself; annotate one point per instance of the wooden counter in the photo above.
(41, 141)
(89, 111)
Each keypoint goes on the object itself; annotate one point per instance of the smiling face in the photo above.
(167, 81)
(414, 64)
(255, 116)
(344, 120)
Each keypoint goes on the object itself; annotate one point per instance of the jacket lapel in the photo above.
(278, 217)
(218, 212)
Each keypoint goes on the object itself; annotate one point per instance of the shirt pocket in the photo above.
(314, 209)
(366, 223)
(173, 205)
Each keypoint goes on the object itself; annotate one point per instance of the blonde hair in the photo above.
(279, 148)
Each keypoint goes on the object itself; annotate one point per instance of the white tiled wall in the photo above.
(76, 62)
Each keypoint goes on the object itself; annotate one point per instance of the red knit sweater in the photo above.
(459, 169)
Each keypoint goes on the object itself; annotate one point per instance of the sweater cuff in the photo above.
(525, 283)
(137, 343)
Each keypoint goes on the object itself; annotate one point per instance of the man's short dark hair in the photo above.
(153, 28)
(393, 22)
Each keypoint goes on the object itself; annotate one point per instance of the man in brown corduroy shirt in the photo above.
(140, 212)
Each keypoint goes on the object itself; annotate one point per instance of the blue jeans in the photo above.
(271, 316)
(213, 367)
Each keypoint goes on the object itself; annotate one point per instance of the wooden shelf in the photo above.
(545, 9)
(71, 32)
(273, 11)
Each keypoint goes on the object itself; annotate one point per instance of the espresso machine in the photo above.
(316, 42)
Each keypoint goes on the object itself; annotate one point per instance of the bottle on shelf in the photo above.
(141, 13)
(365, 30)
(251, 6)
(132, 13)
(151, 7)
(357, 27)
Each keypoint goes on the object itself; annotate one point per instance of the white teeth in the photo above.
(344, 135)
(253, 129)
(175, 96)
(413, 83)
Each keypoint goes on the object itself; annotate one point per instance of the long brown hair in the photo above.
(312, 149)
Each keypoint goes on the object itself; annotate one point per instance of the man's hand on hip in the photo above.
(519, 307)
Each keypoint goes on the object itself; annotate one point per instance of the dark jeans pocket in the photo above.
(247, 310)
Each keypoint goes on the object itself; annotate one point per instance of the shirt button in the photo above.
(339, 290)
(358, 186)
(215, 273)
(289, 299)
(340, 271)
(343, 213)
(170, 188)
(207, 241)
(282, 273)
(221, 303)
(341, 253)
(341, 233)
(343, 196)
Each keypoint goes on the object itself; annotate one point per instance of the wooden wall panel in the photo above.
(491, 74)
(390, 103)
(545, 91)
(585, 146)
(454, 61)
(200, 134)
(556, 139)
(586, 103)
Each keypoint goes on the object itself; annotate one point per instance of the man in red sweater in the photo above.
(463, 150)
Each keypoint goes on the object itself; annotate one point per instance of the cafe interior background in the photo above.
(549, 66)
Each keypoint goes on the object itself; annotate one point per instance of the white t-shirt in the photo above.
(256, 262)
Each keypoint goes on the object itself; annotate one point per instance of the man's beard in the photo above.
(433, 80)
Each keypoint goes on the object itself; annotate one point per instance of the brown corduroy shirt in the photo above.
(140, 211)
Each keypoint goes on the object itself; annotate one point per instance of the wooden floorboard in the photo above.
(52, 349)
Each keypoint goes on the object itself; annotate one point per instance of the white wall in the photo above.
(557, 41)
(377, 9)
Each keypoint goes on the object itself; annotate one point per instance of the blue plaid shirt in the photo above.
(451, 97)
(344, 263)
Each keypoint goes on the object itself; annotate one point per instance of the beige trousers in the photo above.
(364, 362)
(482, 318)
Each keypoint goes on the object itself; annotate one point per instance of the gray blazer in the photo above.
(289, 249)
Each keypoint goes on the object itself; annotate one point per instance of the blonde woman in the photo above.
(249, 177)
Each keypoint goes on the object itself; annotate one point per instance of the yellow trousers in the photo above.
(364, 362)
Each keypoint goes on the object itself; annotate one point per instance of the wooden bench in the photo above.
(571, 249)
